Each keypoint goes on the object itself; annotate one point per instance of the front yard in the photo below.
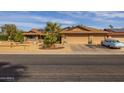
(32, 47)
(35, 48)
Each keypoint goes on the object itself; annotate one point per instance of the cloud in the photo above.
(104, 20)
(76, 14)
(40, 24)
(99, 16)
(84, 14)
(27, 16)
(30, 20)
(52, 19)
(109, 14)
(23, 24)
(108, 17)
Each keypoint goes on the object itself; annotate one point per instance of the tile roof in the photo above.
(119, 32)
(34, 31)
(115, 30)
(81, 29)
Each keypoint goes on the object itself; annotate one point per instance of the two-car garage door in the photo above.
(83, 39)
(77, 39)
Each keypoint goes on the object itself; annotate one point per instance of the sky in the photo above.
(26, 20)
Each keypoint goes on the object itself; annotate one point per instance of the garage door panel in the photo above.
(77, 39)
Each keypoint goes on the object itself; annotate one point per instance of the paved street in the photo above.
(61, 68)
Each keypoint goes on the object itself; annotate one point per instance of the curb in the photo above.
(61, 53)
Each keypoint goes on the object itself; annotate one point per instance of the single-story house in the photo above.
(33, 35)
(83, 35)
(75, 35)
(116, 33)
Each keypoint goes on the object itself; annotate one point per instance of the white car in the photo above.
(111, 43)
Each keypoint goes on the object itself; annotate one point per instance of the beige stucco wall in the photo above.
(120, 38)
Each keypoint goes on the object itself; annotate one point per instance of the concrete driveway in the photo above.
(93, 49)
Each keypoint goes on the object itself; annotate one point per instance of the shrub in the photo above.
(18, 37)
(49, 40)
(52, 34)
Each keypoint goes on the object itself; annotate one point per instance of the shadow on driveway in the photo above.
(96, 46)
(11, 72)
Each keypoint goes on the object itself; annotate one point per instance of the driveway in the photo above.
(93, 49)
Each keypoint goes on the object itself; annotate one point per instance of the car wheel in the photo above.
(102, 44)
(109, 46)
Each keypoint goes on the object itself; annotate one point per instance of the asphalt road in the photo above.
(61, 68)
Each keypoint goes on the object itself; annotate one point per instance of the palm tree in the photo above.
(52, 33)
(52, 27)
(111, 26)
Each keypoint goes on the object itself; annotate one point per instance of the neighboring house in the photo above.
(116, 33)
(33, 35)
(83, 35)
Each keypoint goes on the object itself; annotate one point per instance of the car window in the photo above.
(112, 41)
(115, 41)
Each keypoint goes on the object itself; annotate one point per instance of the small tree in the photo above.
(49, 40)
(10, 30)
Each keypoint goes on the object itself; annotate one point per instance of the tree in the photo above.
(52, 33)
(10, 30)
(110, 26)
(52, 27)
(19, 36)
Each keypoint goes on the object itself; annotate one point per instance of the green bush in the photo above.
(52, 34)
(3, 37)
(49, 40)
(18, 37)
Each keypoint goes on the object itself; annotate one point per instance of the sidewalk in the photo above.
(67, 50)
(60, 52)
